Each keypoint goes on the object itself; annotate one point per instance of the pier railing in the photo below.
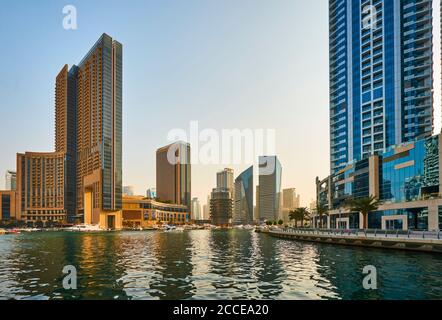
(368, 233)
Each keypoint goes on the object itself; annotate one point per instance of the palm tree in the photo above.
(299, 214)
(321, 210)
(293, 215)
(364, 206)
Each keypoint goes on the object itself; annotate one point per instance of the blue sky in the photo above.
(227, 64)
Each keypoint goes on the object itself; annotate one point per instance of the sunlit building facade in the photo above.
(41, 188)
(142, 212)
(99, 133)
(269, 200)
(173, 177)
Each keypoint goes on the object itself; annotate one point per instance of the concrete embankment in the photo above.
(361, 240)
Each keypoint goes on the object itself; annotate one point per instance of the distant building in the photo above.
(10, 180)
(225, 180)
(243, 200)
(270, 174)
(196, 210)
(221, 204)
(206, 209)
(8, 206)
(151, 193)
(290, 202)
(128, 191)
(174, 174)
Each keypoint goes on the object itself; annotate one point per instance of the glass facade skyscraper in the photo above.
(381, 76)
(243, 200)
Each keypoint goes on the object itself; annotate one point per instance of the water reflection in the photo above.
(232, 264)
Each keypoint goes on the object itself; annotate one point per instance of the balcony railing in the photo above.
(368, 233)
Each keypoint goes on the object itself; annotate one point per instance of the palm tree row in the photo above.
(361, 205)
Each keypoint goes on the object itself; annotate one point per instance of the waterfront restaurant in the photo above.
(405, 178)
(139, 211)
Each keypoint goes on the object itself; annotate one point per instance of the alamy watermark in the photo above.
(370, 281)
(369, 18)
(70, 18)
(70, 281)
(226, 146)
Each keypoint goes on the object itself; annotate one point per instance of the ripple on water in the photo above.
(234, 264)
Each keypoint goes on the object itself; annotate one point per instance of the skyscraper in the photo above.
(66, 132)
(151, 193)
(174, 174)
(196, 210)
(224, 179)
(98, 97)
(206, 209)
(290, 200)
(243, 200)
(270, 173)
(10, 180)
(88, 130)
(221, 204)
(381, 76)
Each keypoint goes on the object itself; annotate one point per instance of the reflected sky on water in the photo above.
(203, 264)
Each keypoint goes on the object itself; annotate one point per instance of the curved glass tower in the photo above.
(243, 204)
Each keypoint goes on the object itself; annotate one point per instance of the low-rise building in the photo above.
(41, 189)
(406, 179)
(139, 211)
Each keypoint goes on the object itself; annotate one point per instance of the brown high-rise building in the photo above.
(174, 174)
(99, 133)
(41, 186)
(82, 180)
(66, 132)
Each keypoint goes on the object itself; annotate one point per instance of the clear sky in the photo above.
(225, 63)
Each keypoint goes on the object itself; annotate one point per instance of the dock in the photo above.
(384, 239)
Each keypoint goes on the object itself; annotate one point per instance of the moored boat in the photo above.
(84, 228)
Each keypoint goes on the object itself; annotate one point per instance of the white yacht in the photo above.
(84, 228)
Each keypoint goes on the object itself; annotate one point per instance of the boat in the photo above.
(31, 230)
(2, 231)
(84, 228)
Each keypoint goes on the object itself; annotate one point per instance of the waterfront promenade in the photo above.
(388, 239)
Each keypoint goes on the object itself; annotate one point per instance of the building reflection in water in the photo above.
(234, 264)
(173, 263)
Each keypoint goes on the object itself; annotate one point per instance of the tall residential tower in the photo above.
(381, 76)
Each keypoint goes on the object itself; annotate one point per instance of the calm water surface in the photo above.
(234, 264)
